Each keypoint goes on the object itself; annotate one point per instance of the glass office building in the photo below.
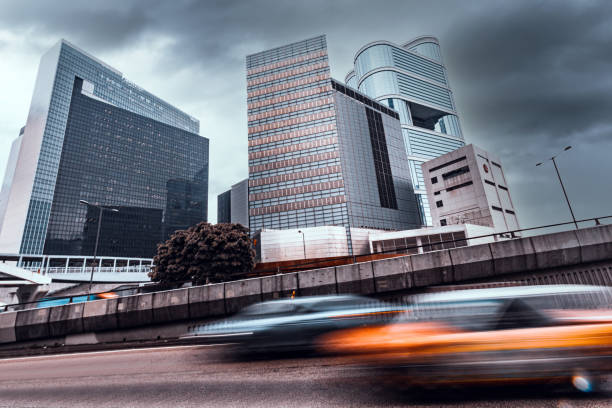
(412, 80)
(93, 135)
(224, 207)
(306, 135)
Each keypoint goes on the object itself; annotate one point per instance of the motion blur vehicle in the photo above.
(294, 324)
(58, 301)
(549, 333)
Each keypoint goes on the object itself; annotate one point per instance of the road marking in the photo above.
(90, 353)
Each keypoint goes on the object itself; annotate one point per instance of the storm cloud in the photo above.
(529, 77)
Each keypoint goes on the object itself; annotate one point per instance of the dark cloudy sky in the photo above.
(529, 77)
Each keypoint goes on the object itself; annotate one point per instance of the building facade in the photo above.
(233, 204)
(224, 207)
(239, 206)
(309, 243)
(429, 239)
(468, 186)
(93, 135)
(9, 173)
(305, 133)
(412, 79)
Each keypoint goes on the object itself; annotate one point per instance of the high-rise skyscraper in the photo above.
(319, 152)
(93, 135)
(412, 79)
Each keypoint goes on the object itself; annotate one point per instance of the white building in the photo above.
(468, 186)
(422, 240)
(309, 243)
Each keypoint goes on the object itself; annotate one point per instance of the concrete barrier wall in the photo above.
(494, 261)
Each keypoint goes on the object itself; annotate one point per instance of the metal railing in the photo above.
(87, 269)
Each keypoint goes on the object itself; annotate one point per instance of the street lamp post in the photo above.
(97, 237)
(303, 242)
(561, 182)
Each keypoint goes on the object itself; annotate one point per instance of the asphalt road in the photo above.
(199, 376)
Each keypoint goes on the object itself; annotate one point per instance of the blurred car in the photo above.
(294, 324)
(551, 333)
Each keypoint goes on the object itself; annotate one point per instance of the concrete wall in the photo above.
(583, 256)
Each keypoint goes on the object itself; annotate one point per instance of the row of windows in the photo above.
(285, 104)
(291, 128)
(289, 115)
(295, 65)
(291, 155)
(292, 141)
(285, 80)
(296, 198)
(287, 51)
(293, 89)
(294, 169)
(295, 183)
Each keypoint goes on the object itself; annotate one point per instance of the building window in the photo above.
(434, 180)
(469, 183)
(510, 212)
(446, 164)
(439, 204)
(456, 172)
(437, 193)
(496, 208)
(443, 222)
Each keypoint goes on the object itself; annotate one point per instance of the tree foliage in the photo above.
(204, 253)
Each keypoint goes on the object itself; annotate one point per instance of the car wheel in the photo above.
(585, 382)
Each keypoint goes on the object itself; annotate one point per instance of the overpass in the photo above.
(577, 256)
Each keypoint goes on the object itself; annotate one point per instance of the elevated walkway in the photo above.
(11, 275)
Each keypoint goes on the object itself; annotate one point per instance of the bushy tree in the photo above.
(204, 253)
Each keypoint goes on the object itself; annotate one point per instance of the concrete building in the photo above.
(309, 243)
(429, 239)
(233, 204)
(468, 186)
(412, 79)
(320, 153)
(93, 135)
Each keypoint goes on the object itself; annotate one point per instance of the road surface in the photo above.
(198, 376)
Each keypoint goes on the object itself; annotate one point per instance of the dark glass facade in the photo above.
(224, 207)
(384, 177)
(155, 174)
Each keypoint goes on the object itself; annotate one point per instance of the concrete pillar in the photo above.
(66, 267)
(114, 265)
(419, 243)
(84, 265)
(47, 265)
(20, 262)
(31, 293)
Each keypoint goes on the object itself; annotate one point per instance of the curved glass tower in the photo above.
(412, 79)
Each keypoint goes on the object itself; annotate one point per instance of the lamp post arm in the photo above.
(565, 193)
